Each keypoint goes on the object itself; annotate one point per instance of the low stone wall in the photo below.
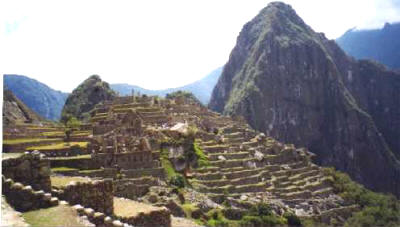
(81, 163)
(29, 169)
(133, 188)
(96, 194)
(161, 218)
(98, 218)
(136, 173)
(133, 160)
(65, 152)
(24, 198)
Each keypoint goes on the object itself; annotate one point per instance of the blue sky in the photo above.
(153, 44)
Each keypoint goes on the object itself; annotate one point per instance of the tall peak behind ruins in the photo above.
(299, 87)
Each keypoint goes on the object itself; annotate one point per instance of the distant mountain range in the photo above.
(382, 45)
(201, 89)
(49, 103)
(42, 99)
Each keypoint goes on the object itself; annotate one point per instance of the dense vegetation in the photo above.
(42, 99)
(188, 96)
(376, 209)
(382, 45)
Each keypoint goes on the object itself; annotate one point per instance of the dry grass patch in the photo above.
(62, 181)
(55, 216)
(58, 146)
(129, 208)
(10, 155)
(29, 140)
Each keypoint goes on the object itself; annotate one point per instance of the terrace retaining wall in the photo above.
(98, 195)
(29, 169)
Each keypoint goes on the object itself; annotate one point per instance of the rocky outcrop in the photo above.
(42, 99)
(16, 111)
(83, 98)
(299, 87)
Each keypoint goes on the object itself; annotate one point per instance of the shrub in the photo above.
(178, 181)
(202, 159)
(292, 219)
(376, 209)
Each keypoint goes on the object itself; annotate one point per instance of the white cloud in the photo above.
(154, 44)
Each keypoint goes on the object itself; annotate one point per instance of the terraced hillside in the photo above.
(150, 152)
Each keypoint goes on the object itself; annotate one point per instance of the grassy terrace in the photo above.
(58, 146)
(60, 215)
(53, 133)
(61, 181)
(86, 156)
(29, 140)
(130, 208)
(63, 169)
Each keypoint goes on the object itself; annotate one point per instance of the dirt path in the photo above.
(10, 217)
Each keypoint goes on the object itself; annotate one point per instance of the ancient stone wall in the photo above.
(135, 173)
(97, 195)
(161, 217)
(29, 169)
(24, 198)
(82, 163)
(65, 152)
(133, 188)
(134, 160)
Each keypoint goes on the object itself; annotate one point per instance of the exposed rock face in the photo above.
(16, 111)
(42, 99)
(91, 92)
(297, 86)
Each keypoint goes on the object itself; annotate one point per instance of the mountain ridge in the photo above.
(41, 98)
(380, 44)
(201, 88)
(299, 87)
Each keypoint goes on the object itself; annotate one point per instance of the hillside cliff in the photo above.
(83, 98)
(299, 87)
(42, 99)
(382, 45)
(15, 111)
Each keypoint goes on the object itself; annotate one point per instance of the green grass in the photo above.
(188, 208)
(55, 216)
(62, 169)
(85, 156)
(202, 159)
(58, 146)
(54, 133)
(28, 140)
(377, 209)
(91, 171)
(167, 165)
